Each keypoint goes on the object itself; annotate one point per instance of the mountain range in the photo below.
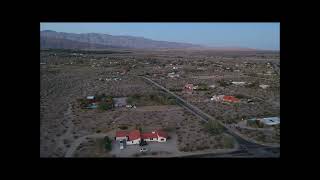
(62, 40)
(52, 39)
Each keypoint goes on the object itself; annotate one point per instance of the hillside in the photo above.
(52, 39)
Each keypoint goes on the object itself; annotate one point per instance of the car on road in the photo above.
(143, 150)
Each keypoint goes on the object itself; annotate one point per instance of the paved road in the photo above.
(246, 145)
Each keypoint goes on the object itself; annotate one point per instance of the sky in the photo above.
(249, 35)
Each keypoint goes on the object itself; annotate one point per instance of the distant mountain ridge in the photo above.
(62, 40)
(53, 39)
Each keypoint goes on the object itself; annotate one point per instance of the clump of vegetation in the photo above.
(123, 127)
(252, 74)
(213, 127)
(175, 89)
(223, 83)
(241, 96)
(139, 127)
(83, 102)
(228, 142)
(162, 99)
(254, 84)
(133, 99)
(108, 143)
(202, 87)
(103, 97)
(105, 105)
(255, 124)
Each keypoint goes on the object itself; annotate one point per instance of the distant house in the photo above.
(225, 98)
(230, 99)
(270, 121)
(217, 98)
(91, 99)
(263, 86)
(159, 136)
(120, 102)
(238, 83)
(121, 135)
(195, 87)
(135, 136)
(188, 88)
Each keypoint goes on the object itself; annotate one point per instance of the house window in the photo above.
(151, 138)
(162, 139)
(132, 141)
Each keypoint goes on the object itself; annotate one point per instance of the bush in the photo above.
(83, 102)
(133, 99)
(228, 142)
(213, 127)
(223, 83)
(105, 106)
(123, 127)
(169, 129)
(202, 87)
(108, 143)
(240, 96)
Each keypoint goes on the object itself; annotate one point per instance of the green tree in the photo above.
(105, 106)
(108, 143)
(213, 127)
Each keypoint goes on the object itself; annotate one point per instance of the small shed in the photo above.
(120, 102)
(238, 83)
(91, 99)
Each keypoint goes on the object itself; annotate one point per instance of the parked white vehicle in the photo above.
(121, 145)
(143, 150)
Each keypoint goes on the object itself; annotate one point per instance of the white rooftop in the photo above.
(271, 120)
(90, 97)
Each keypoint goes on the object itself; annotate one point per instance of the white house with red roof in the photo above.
(135, 137)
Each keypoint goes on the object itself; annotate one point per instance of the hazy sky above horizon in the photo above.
(250, 35)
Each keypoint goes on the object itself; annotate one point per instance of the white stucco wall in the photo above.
(164, 139)
(137, 141)
(154, 139)
(121, 138)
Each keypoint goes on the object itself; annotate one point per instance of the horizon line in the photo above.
(205, 46)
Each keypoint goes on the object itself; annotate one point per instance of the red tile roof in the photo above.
(162, 134)
(148, 135)
(230, 99)
(121, 133)
(133, 135)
